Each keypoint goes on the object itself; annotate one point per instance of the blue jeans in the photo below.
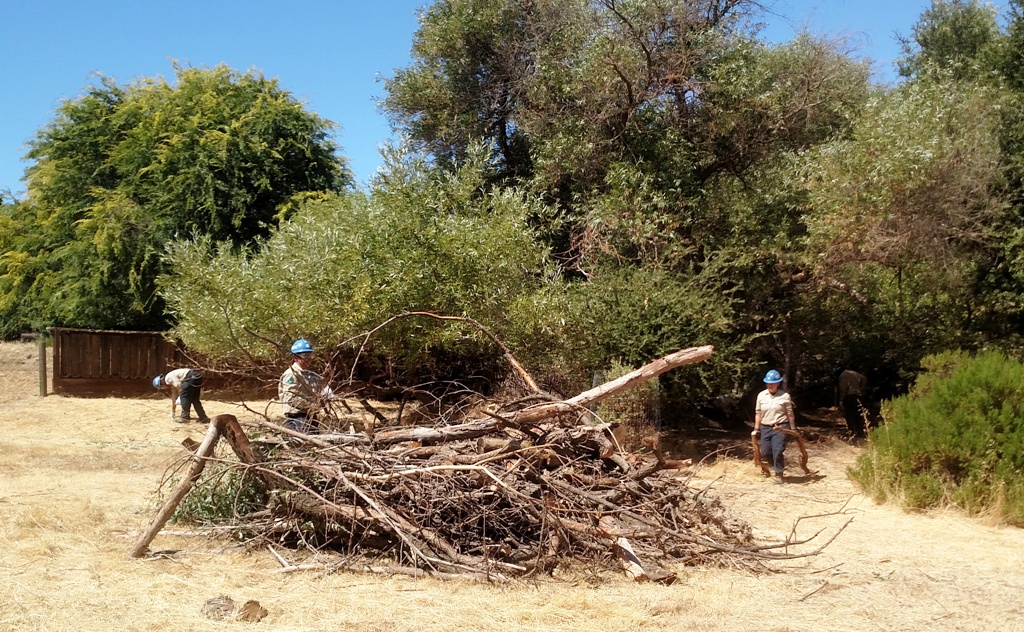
(300, 422)
(773, 444)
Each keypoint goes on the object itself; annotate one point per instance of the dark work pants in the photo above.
(191, 388)
(853, 411)
(773, 443)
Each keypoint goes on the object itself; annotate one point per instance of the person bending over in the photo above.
(185, 386)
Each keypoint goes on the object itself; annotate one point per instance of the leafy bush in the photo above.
(957, 438)
(422, 240)
(222, 494)
(635, 315)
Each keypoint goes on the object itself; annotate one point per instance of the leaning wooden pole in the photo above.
(42, 366)
(594, 395)
(195, 469)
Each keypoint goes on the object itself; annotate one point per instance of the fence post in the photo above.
(42, 366)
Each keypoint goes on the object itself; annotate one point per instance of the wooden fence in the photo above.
(90, 362)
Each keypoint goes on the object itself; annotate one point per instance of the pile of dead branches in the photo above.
(508, 494)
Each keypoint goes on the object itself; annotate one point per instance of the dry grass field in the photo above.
(77, 486)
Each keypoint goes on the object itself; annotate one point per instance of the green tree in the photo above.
(465, 82)
(21, 268)
(1012, 62)
(556, 84)
(663, 136)
(423, 239)
(764, 197)
(959, 36)
(717, 208)
(905, 222)
(1005, 282)
(123, 170)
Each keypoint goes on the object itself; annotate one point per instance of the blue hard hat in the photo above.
(302, 346)
(772, 377)
(158, 381)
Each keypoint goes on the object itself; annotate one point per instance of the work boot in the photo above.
(777, 479)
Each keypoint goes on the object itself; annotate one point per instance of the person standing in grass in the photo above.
(184, 385)
(773, 410)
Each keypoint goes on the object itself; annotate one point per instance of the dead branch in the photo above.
(583, 400)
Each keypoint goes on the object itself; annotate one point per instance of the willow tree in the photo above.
(961, 37)
(123, 169)
(422, 240)
(560, 89)
(661, 132)
(906, 218)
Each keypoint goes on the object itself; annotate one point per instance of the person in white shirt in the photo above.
(185, 386)
(773, 410)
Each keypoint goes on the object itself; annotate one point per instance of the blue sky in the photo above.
(329, 54)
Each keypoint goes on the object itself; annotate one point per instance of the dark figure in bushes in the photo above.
(852, 397)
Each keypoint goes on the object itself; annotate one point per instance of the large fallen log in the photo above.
(578, 404)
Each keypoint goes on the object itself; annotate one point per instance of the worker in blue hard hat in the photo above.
(301, 391)
(184, 386)
(773, 410)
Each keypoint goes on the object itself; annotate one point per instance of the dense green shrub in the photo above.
(635, 315)
(956, 439)
(223, 494)
(422, 240)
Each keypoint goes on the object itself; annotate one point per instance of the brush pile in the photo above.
(511, 503)
(508, 494)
